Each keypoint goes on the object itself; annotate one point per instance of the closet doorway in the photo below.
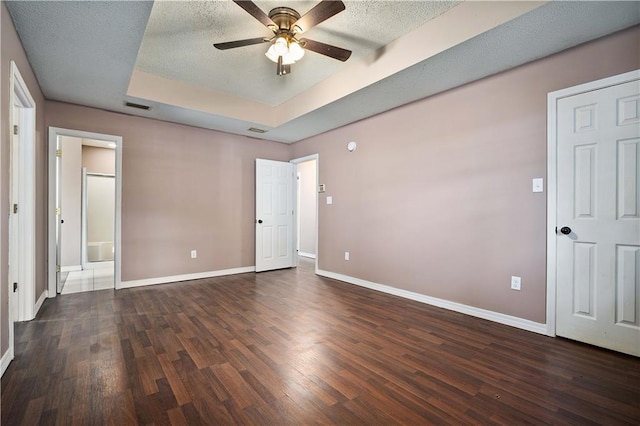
(307, 207)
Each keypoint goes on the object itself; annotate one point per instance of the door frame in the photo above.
(54, 133)
(552, 144)
(21, 98)
(295, 203)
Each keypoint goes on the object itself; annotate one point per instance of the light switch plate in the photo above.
(329, 200)
(537, 185)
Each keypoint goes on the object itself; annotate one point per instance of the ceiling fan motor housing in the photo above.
(284, 18)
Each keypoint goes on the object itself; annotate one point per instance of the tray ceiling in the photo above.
(161, 54)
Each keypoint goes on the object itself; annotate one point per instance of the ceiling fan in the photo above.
(287, 24)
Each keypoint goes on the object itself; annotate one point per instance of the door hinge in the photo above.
(15, 209)
(57, 268)
(15, 129)
(15, 287)
(58, 153)
(58, 211)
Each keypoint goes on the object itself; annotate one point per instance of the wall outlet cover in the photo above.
(537, 185)
(516, 283)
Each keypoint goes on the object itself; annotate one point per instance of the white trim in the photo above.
(552, 143)
(83, 219)
(71, 268)
(186, 277)
(512, 321)
(6, 360)
(54, 132)
(304, 159)
(309, 255)
(20, 96)
(43, 296)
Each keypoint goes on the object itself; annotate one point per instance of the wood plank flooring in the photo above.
(288, 347)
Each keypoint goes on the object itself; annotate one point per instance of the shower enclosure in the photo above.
(98, 217)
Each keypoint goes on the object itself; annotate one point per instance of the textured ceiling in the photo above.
(102, 54)
(177, 43)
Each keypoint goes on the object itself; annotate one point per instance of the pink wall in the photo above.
(99, 160)
(183, 188)
(437, 198)
(11, 50)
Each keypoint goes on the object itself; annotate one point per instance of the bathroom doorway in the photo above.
(86, 211)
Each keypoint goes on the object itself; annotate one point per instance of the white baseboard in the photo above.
(512, 321)
(71, 268)
(187, 277)
(39, 303)
(6, 360)
(309, 255)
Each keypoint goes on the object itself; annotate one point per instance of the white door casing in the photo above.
(274, 215)
(598, 198)
(58, 218)
(23, 170)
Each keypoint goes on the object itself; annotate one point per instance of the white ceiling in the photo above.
(102, 54)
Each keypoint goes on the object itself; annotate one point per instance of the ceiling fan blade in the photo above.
(321, 12)
(253, 10)
(326, 49)
(240, 43)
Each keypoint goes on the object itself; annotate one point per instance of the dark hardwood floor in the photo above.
(288, 347)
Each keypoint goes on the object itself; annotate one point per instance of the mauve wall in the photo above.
(183, 188)
(99, 160)
(437, 198)
(11, 50)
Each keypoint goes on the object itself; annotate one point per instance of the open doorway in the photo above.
(84, 205)
(86, 197)
(307, 207)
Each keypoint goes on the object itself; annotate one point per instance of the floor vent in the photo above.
(139, 106)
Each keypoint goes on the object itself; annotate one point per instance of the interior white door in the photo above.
(274, 215)
(598, 217)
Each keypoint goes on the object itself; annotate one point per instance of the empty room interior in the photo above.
(320, 212)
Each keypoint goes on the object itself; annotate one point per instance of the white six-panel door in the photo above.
(274, 215)
(598, 205)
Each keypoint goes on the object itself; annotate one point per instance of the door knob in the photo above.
(565, 230)
(259, 220)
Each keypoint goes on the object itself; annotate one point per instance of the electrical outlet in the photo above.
(515, 283)
(194, 254)
(537, 185)
(346, 255)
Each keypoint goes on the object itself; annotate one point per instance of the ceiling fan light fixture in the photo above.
(281, 47)
(296, 51)
(288, 59)
(271, 54)
(286, 23)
